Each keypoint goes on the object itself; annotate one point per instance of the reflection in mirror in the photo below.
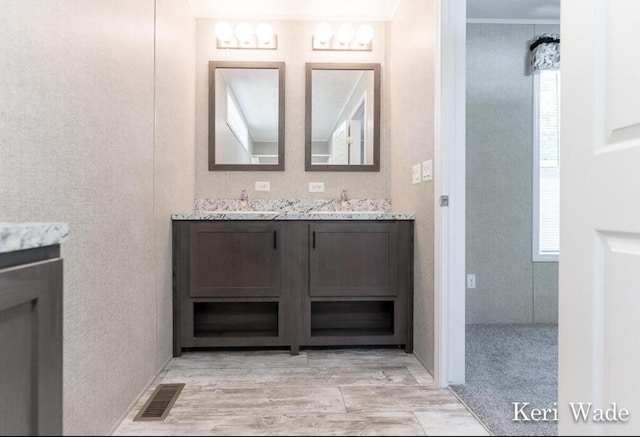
(246, 116)
(343, 121)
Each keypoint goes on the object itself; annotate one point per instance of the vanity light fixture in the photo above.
(244, 37)
(346, 38)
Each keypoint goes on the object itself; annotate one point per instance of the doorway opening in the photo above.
(511, 150)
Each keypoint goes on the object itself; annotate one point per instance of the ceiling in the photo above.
(256, 91)
(330, 10)
(365, 10)
(331, 91)
(514, 9)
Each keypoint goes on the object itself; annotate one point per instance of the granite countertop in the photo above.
(293, 209)
(19, 236)
(266, 215)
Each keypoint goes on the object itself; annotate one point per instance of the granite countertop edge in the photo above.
(21, 236)
(338, 215)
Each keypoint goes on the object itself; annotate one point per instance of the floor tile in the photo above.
(319, 392)
(395, 398)
(361, 357)
(201, 404)
(392, 424)
(289, 377)
(239, 360)
(450, 420)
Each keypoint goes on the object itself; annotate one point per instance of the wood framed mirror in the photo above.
(246, 116)
(342, 118)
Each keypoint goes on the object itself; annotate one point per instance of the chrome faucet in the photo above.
(244, 200)
(344, 201)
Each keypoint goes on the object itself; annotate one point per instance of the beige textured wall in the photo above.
(412, 49)
(77, 146)
(175, 147)
(294, 48)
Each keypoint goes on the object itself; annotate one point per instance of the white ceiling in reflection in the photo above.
(331, 91)
(256, 91)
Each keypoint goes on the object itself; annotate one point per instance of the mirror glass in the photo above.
(343, 121)
(246, 116)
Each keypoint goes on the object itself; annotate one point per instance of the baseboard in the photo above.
(137, 399)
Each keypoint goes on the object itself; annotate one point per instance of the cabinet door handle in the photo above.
(314, 239)
(275, 239)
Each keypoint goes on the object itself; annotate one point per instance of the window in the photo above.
(235, 121)
(546, 166)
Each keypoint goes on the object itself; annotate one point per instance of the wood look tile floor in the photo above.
(319, 392)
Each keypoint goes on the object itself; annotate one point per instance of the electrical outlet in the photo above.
(471, 280)
(427, 171)
(263, 186)
(316, 187)
(416, 174)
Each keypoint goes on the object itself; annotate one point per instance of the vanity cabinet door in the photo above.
(234, 259)
(31, 348)
(353, 259)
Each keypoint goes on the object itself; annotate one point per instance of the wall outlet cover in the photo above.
(427, 171)
(316, 187)
(263, 186)
(416, 174)
(471, 280)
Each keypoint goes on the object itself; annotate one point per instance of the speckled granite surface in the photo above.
(20, 236)
(293, 205)
(294, 209)
(327, 215)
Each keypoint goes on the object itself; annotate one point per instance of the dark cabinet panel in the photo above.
(234, 259)
(31, 346)
(227, 285)
(349, 259)
(360, 285)
(292, 283)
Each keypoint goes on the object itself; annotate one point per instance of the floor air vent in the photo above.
(160, 402)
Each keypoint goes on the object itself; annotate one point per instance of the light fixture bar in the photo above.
(346, 38)
(244, 36)
(334, 44)
(253, 44)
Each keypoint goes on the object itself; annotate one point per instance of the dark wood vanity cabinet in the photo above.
(360, 284)
(292, 283)
(31, 342)
(227, 289)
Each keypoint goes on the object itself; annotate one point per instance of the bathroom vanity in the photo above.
(31, 328)
(292, 280)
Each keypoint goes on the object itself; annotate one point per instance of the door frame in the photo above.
(450, 164)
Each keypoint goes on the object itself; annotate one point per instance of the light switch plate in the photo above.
(263, 186)
(427, 171)
(416, 174)
(316, 187)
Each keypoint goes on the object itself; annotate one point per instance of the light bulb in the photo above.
(324, 32)
(244, 33)
(364, 34)
(224, 31)
(345, 34)
(264, 32)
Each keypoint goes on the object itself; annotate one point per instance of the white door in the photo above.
(599, 333)
(339, 146)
